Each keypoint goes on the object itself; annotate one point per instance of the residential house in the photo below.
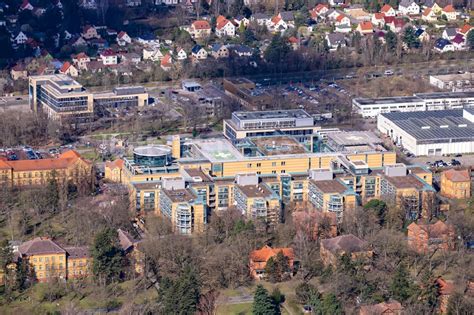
(241, 20)
(20, 38)
(220, 51)
(277, 24)
(260, 257)
(433, 6)
(69, 69)
(81, 60)
(333, 14)
(343, 28)
(90, 32)
(387, 10)
(241, 50)
(320, 10)
(294, 42)
(200, 29)
(108, 57)
(335, 40)
(199, 53)
(336, 3)
(19, 72)
(152, 53)
(385, 308)
(331, 249)
(449, 12)
(429, 237)
(396, 25)
(449, 33)
(78, 42)
(358, 14)
(224, 27)
(377, 19)
(123, 39)
(261, 19)
(131, 248)
(133, 3)
(422, 35)
(443, 45)
(465, 29)
(429, 15)
(288, 17)
(130, 58)
(167, 62)
(26, 5)
(343, 19)
(113, 170)
(365, 28)
(408, 7)
(181, 54)
(456, 184)
(459, 42)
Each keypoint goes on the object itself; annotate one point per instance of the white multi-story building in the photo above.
(431, 132)
(371, 107)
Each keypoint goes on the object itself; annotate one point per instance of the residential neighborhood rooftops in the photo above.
(330, 186)
(266, 252)
(344, 243)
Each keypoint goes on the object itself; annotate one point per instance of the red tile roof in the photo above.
(366, 26)
(449, 9)
(201, 25)
(65, 67)
(266, 252)
(465, 29)
(386, 8)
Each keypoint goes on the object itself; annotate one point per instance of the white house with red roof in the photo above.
(224, 27)
(465, 29)
(319, 10)
(449, 12)
(26, 5)
(429, 15)
(342, 19)
(200, 29)
(123, 39)
(69, 69)
(387, 10)
(365, 28)
(377, 19)
(277, 24)
(167, 62)
(81, 60)
(108, 57)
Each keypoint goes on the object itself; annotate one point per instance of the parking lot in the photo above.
(465, 160)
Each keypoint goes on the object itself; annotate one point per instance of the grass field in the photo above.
(245, 308)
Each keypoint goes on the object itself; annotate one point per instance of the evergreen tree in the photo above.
(107, 256)
(470, 39)
(277, 267)
(262, 302)
(401, 287)
(278, 50)
(306, 292)
(180, 296)
(378, 207)
(391, 40)
(429, 290)
(329, 305)
(410, 39)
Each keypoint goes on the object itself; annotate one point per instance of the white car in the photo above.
(388, 72)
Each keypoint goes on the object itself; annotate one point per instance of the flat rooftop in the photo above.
(179, 195)
(445, 95)
(387, 100)
(353, 138)
(434, 125)
(278, 145)
(404, 182)
(255, 191)
(60, 80)
(330, 186)
(454, 77)
(217, 150)
(272, 114)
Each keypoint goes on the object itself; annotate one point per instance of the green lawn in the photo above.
(232, 309)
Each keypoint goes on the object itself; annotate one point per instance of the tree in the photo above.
(306, 292)
(410, 39)
(237, 7)
(107, 256)
(278, 50)
(262, 302)
(183, 294)
(459, 305)
(391, 40)
(378, 207)
(330, 305)
(277, 267)
(429, 290)
(401, 286)
(470, 39)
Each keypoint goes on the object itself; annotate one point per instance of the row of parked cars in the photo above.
(441, 163)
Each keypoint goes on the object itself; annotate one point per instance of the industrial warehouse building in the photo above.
(371, 107)
(430, 132)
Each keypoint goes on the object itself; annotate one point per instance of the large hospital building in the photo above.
(266, 161)
(64, 99)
